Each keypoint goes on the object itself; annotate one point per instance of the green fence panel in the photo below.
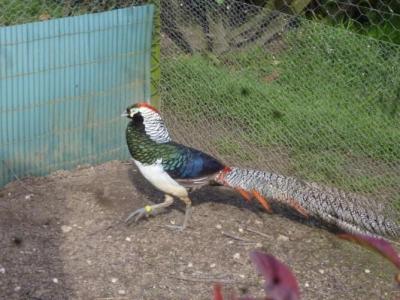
(63, 86)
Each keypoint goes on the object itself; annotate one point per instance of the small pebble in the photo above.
(230, 242)
(367, 271)
(241, 230)
(321, 271)
(242, 276)
(9, 194)
(109, 236)
(2, 270)
(28, 197)
(307, 284)
(114, 280)
(128, 239)
(212, 265)
(89, 262)
(258, 245)
(258, 222)
(66, 228)
(55, 280)
(219, 226)
(282, 238)
(236, 256)
(121, 292)
(172, 222)
(17, 288)
(190, 265)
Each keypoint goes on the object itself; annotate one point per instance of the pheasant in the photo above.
(176, 169)
(348, 212)
(171, 167)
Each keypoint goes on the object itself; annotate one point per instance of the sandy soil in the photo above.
(63, 237)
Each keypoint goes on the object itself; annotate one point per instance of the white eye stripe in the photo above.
(133, 111)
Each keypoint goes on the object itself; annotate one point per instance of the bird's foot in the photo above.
(188, 213)
(144, 212)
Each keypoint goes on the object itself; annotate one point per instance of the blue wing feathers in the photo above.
(194, 164)
(193, 167)
(199, 165)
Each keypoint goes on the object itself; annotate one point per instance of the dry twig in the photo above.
(208, 280)
(237, 238)
(257, 232)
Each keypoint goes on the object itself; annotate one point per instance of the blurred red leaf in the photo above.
(280, 283)
(218, 292)
(218, 295)
(379, 245)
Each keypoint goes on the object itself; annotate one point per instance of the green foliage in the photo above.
(155, 54)
(330, 99)
(19, 11)
(377, 19)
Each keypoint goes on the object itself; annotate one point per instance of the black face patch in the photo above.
(137, 120)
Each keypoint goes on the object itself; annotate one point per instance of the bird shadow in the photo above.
(222, 195)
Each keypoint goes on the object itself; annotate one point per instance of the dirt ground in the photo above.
(63, 237)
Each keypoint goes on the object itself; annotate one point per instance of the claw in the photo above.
(142, 213)
(262, 201)
(137, 215)
(188, 213)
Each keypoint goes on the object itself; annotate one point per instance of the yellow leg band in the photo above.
(148, 208)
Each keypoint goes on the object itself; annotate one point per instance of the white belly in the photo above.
(156, 175)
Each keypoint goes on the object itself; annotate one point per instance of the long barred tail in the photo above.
(349, 212)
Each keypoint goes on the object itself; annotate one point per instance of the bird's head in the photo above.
(141, 108)
(148, 116)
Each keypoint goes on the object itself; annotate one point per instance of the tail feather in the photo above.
(349, 212)
(262, 201)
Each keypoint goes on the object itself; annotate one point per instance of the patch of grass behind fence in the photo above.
(329, 96)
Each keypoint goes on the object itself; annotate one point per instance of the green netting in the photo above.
(286, 92)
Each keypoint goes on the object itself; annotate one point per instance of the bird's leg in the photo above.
(188, 213)
(149, 210)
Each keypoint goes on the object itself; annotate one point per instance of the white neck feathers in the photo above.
(154, 126)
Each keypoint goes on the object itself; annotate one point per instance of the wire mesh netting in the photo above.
(307, 89)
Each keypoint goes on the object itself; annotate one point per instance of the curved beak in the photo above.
(124, 114)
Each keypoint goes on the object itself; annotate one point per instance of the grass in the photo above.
(19, 11)
(331, 98)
